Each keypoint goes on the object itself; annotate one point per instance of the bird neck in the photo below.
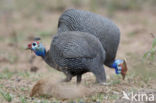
(48, 59)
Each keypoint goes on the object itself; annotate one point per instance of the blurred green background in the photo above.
(36, 7)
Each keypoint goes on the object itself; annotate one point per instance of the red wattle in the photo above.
(29, 45)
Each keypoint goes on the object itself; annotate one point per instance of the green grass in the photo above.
(116, 79)
(25, 74)
(151, 54)
(114, 82)
(23, 99)
(7, 96)
(98, 97)
(6, 74)
(23, 89)
(113, 96)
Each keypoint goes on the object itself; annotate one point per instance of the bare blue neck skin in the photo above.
(40, 50)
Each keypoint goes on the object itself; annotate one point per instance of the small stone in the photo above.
(34, 69)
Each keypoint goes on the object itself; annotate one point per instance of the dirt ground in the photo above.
(17, 77)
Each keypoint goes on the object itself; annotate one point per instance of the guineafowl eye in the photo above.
(34, 44)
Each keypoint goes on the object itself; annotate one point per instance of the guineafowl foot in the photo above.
(68, 78)
(120, 67)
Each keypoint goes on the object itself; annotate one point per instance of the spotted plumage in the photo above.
(103, 28)
(84, 42)
(75, 53)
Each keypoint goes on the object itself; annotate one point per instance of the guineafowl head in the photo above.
(37, 48)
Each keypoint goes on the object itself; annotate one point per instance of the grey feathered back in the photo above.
(104, 29)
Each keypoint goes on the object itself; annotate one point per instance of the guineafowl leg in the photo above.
(79, 79)
(68, 78)
(99, 72)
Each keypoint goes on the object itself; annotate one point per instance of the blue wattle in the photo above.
(41, 52)
(115, 65)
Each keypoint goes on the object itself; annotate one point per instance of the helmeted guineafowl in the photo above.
(74, 53)
(104, 29)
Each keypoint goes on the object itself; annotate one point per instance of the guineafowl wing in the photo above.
(72, 46)
(78, 49)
